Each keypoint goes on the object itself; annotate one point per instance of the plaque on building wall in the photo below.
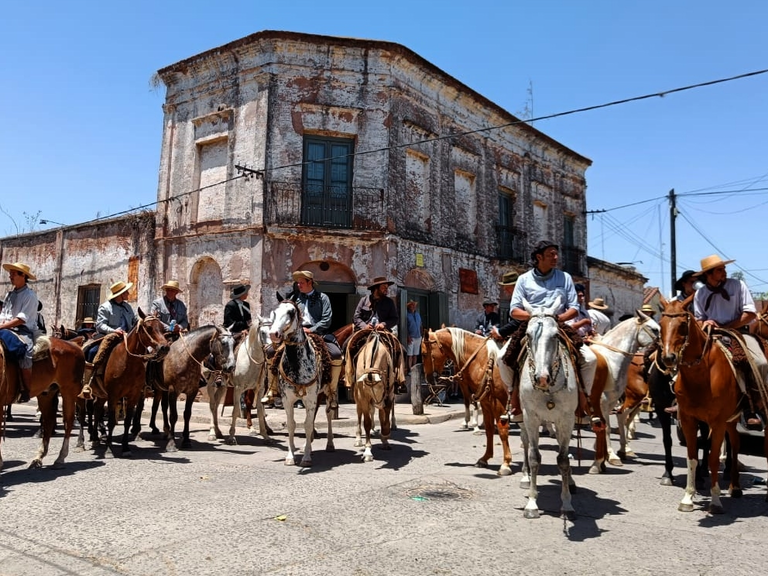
(419, 260)
(468, 281)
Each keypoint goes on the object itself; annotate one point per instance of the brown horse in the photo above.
(707, 390)
(125, 374)
(474, 358)
(58, 364)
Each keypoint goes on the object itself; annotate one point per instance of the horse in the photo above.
(57, 364)
(301, 376)
(124, 375)
(616, 347)
(635, 396)
(474, 358)
(372, 373)
(249, 373)
(707, 389)
(548, 393)
(181, 369)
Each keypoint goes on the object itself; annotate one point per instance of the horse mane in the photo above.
(42, 348)
(457, 344)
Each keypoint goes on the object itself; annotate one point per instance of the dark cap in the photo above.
(239, 290)
(540, 247)
(686, 276)
(579, 288)
(490, 303)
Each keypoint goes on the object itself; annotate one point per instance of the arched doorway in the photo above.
(206, 292)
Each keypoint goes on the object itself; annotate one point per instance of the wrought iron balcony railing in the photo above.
(510, 243)
(572, 260)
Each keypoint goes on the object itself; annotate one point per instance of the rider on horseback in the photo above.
(115, 316)
(18, 321)
(726, 303)
(171, 311)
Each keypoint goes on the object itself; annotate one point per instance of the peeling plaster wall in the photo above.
(621, 287)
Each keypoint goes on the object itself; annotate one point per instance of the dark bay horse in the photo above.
(478, 376)
(707, 390)
(181, 370)
(58, 366)
(125, 374)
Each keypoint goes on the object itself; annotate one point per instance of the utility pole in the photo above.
(672, 243)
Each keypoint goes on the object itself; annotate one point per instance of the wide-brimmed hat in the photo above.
(542, 245)
(19, 267)
(118, 288)
(172, 285)
(687, 275)
(379, 280)
(306, 274)
(509, 278)
(647, 309)
(598, 304)
(88, 320)
(239, 290)
(490, 303)
(711, 262)
(411, 302)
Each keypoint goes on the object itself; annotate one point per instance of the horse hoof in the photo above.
(504, 471)
(478, 433)
(736, 493)
(481, 464)
(36, 464)
(666, 481)
(230, 441)
(715, 509)
(615, 461)
(367, 458)
(171, 447)
(685, 507)
(525, 484)
(330, 448)
(568, 515)
(594, 469)
(306, 464)
(531, 513)
(358, 444)
(211, 437)
(464, 427)
(629, 454)
(290, 462)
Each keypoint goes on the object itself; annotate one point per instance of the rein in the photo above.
(688, 316)
(139, 329)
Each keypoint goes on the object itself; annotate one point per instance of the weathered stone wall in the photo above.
(620, 286)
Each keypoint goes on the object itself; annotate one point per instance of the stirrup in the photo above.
(86, 393)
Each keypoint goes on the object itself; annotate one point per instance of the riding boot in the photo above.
(272, 388)
(333, 397)
(86, 393)
(25, 384)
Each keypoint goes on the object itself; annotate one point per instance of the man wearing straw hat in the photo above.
(377, 310)
(724, 302)
(171, 311)
(600, 322)
(18, 320)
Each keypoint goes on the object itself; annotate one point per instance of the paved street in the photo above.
(420, 509)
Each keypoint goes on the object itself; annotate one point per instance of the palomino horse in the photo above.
(300, 377)
(249, 374)
(548, 393)
(478, 375)
(372, 374)
(617, 347)
(58, 364)
(125, 373)
(181, 373)
(707, 390)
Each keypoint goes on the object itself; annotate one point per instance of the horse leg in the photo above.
(735, 441)
(488, 418)
(563, 433)
(667, 479)
(310, 408)
(465, 425)
(288, 400)
(704, 441)
(214, 432)
(173, 416)
(631, 431)
(689, 427)
(525, 478)
(82, 420)
(47, 408)
(130, 408)
(329, 446)
(476, 419)
(534, 458)
(359, 432)
(717, 436)
(368, 415)
(609, 401)
(68, 418)
(185, 441)
(386, 430)
(503, 427)
(622, 420)
(158, 399)
(136, 420)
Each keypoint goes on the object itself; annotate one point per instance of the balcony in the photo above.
(510, 243)
(289, 204)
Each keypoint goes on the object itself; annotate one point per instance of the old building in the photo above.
(350, 158)
(621, 287)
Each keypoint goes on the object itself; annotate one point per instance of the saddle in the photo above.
(317, 342)
(358, 340)
(732, 343)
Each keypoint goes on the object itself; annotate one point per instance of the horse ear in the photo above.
(663, 301)
(641, 316)
(688, 300)
(141, 313)
(280, 297)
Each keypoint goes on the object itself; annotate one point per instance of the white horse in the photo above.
(617, 347)
(300, 375)
(548, 394)
(249, 374)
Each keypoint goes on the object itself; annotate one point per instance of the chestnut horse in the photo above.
(474, 358)
(125, 374)
(707, 390)
(58, 364)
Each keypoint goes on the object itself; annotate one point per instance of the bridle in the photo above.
(142, 330)
(298, 339)
(688, 317)
(643, 328)
(556, 366)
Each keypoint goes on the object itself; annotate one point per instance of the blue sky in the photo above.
(81, 124)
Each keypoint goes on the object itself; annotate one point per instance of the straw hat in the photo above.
(239, 290)
(19, 267)
(647, 309)
(118, 288)
(711, 262)
(509, 278)
(379, 280)
(411, 302)
(172, 285)
(306, 274)
(598, 304)
(88, 320)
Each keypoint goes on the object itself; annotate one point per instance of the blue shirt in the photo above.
(541, 290)
(414, 324)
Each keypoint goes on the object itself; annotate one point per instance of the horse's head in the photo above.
(543, 344)
(223, 349)
(151, 335)
(677, 324)
(433, 356)
(286, 322)
(648, 330)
